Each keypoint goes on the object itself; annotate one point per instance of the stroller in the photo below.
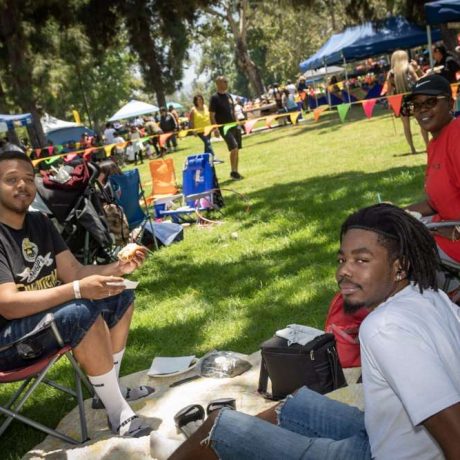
(71, 196)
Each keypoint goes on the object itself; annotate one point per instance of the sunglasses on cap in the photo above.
(427, 104)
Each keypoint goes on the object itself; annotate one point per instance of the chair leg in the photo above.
(24, 398)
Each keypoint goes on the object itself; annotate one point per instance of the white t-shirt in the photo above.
(292, 90)
(109, 135)
(411, 370)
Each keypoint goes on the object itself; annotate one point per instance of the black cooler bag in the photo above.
(315, 365)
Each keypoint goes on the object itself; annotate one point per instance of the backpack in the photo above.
(345, 328)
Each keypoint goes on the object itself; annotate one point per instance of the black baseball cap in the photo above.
(432, 85)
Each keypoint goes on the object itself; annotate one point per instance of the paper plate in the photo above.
(173, 374)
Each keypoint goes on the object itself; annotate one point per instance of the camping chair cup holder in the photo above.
(32, 374)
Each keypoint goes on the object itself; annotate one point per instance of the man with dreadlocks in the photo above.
(411, 369)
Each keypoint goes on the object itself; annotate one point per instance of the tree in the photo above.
(239, 17)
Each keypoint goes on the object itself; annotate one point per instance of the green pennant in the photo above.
(229, 126)
(343, 110)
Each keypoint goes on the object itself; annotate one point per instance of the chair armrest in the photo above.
(443, 223)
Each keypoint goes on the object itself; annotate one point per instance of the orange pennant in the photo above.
(368, 107)
(317, 112)
(454, 91)
(269, 120)
(164, 138)
(395, 103)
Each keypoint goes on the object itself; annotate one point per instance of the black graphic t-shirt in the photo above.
(28, 255)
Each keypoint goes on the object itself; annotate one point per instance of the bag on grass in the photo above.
(345, 328)
(289, 367)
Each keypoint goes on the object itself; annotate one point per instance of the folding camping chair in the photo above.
(35, 373)
(450, 268)
(200, 190)
(164, 182)
(127, 190)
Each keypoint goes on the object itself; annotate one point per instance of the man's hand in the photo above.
(96, 287)
(128, 267)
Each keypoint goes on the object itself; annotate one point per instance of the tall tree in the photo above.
(240, 17)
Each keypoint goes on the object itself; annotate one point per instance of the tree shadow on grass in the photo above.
(289, 278)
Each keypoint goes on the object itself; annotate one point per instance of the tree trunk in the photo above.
(249, 68)
(19, 71)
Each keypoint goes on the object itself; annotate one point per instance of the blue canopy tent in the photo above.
(367, 40)
(440, 12)
(10, 121)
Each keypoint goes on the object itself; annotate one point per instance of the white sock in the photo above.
(162, 447)
(107, 388)
(117, 358)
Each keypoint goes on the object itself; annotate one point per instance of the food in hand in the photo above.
(128, 253)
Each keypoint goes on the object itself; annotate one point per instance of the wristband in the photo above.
(76, 289)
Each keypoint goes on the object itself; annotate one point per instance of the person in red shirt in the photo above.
(431, 103)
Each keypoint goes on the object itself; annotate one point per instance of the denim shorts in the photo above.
(311, 427)
(73, 320)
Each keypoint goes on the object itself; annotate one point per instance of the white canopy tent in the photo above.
(51, 123)
(312, 75)
(133, 109)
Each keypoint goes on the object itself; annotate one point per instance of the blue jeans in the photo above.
(311, 427)
(207, 143)
(73, 320)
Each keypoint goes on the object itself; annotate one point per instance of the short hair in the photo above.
(15, 155)
(442, 49)
(404, 237)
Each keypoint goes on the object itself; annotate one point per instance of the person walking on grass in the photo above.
(221, 112)
(401, 77)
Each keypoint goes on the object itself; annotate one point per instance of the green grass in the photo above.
(231, 286)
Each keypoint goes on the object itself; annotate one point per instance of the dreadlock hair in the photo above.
(404, 237)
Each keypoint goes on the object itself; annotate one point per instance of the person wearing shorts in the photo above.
(221, 112)
(40, 279)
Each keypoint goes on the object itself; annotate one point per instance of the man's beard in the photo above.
(352, 307)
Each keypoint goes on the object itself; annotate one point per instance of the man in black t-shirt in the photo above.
(39, 276)
(221, 112)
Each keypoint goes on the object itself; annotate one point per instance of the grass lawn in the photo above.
(230, 286)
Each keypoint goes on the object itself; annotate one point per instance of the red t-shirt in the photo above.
(442, 181)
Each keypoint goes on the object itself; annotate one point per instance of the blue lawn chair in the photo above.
(127, 190)
(199, 189)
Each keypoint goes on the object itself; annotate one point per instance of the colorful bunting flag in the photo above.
(182, 133)
(317, 112)
(108, 149)
(395, 103)
(368, 107)
(269, 120)
(76, 116)
(249, 125)
(294, 117)
(342, 110)
(163, 138)
(454, 91)
(209, 129)
(229, 126)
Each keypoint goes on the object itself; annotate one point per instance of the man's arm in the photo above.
(423, 208)
(445, 429)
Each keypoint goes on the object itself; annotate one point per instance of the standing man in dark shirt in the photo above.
(89, 304)
(222, 111)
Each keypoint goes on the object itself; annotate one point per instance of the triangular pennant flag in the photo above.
(50, 149)
(38, 152)
(368, 107)
(294, 116)
(343, 109)
(71, 156)
(108, 149)
(229, 126)
(454, 91)
(317, 112)
(208, 129)
(249, 125)
(182, 133)
(269, 120)
(395, 103)
(164, 138)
